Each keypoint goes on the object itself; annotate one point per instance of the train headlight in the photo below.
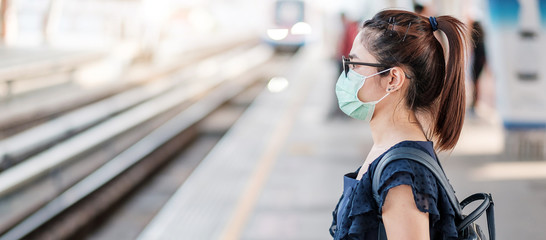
(277, 34)
(301, 28)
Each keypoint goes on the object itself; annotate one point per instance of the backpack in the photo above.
(467, 229)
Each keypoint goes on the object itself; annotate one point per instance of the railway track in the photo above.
(63, 187)
(40, 113)
(33, 140)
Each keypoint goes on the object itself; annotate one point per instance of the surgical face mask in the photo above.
(347, 88)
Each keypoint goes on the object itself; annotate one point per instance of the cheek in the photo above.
(370, 91)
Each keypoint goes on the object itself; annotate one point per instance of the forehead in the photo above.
(360, 52)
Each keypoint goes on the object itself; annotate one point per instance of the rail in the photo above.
(33, 67)
(69, 150)
(23, 145)
(16, 120)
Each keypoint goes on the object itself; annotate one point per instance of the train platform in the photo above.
(277, 174)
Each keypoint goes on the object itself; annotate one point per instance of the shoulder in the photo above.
(408, 172)
(409, 166)
(419, 181)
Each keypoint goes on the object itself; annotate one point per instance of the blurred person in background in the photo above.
(478, 60)
(419, 8)
(397, 79)
(350, 30)
(422, 8)
(348, 35)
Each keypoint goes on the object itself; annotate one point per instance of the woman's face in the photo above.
(374, 87)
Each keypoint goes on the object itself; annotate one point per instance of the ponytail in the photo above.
(451, 103)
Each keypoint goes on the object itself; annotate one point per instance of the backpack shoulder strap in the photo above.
(421, 157)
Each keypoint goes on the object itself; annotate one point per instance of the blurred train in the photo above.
(289, 28)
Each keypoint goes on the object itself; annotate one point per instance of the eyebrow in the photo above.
(352, 55)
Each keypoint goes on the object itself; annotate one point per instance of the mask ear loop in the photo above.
(376, 102)
(364, 80)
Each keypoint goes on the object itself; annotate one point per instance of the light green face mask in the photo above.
(347, 88)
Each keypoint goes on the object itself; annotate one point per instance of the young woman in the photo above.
(398, 79)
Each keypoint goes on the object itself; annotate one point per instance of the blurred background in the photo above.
(216, 119)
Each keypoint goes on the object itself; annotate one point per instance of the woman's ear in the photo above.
(397, 79)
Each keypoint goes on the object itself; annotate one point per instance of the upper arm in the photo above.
(401, 217)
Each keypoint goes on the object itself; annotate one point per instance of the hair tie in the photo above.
(433, 23)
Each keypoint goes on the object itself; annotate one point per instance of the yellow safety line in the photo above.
(246, 203)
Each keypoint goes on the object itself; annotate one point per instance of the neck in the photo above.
(395, 125)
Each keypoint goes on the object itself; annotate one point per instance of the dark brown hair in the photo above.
(405, 39)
